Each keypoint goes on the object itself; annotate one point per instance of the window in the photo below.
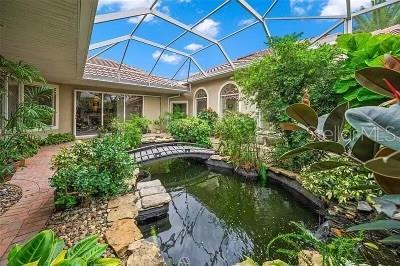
(200, 101)
(113, 107)
(96, 109)
(133, 106)
(43, 97)
(229, 98)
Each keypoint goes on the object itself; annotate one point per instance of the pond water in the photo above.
(216, 219)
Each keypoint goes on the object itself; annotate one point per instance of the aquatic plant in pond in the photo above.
(217, 219)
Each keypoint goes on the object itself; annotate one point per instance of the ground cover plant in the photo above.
(363, 50)
(46, 249)
(58, 138)
(190, 129)
(287, 72)
(99, 167)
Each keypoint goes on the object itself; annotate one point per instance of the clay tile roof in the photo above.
(226, 67)
(107, 70)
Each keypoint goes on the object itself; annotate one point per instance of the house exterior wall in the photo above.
(154, 104)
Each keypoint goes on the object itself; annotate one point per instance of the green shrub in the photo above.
(342, 184)
(58, 138)
(45, 248)
(95, 168)
(363, 50)
(191, 129)
(130, 131)
(282, 77)
(210, 116)
(237, 134)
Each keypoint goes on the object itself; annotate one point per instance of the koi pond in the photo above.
(217, 219)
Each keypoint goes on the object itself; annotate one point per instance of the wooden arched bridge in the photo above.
(164, 151)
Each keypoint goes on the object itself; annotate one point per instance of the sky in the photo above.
(227, 20)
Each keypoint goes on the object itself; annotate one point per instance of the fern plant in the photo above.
(334, 252)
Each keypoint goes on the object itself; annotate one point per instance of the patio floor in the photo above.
(29, 215)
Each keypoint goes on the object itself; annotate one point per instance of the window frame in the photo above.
(195, 99)
(102, 108)
(220, 106)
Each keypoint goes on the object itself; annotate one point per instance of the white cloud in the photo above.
(338, 7)
(245, 22)
(208, 27)
(301, 7)
(167, 58)
(125, 5)
(193, 47)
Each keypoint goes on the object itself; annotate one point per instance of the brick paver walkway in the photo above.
(29, 215)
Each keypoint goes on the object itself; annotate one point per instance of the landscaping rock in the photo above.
(151, 191)
(9, 195)
(275, 263)
(310, 258)
(153, 183)
(122, 200)
(122, 212)
(155, 200)
(144, 253)
(363, 206)
(121, 234)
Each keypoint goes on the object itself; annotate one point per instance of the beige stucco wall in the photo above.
(154, 104)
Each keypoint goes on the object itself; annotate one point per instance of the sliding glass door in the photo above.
(88, 113)
(96, 109)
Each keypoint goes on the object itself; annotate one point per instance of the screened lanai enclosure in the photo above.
(178, 40)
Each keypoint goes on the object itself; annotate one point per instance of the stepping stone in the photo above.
(153, 183)
(122, 212)
(121, 234)
(145, 253)
(151, 191)
(146, 214)
(155, 200)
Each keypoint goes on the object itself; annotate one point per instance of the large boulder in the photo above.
(144, 253)
(121, 234)
(310, 258)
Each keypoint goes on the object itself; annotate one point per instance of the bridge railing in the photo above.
(158, 145)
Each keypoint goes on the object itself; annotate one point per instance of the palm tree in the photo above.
(379, 18)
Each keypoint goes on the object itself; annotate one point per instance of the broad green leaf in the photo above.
(106, 262)
(380, 124)
(394, 239)
(328, 146)
(387, 166)
(292, 127)
(13, 251)
(365, 95)
(82, 246)
(377, 225)
(94, 253)
(59, 258)
(376, 62)
(392, 198)
(303, 114)
(327, 165)
(372, 79)
(57, 247)
(38, 248)
(334, 123)
(73, 262)
(364, 149)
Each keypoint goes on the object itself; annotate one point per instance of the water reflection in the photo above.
(216, 219)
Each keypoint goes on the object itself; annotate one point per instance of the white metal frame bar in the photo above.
(257, 16)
